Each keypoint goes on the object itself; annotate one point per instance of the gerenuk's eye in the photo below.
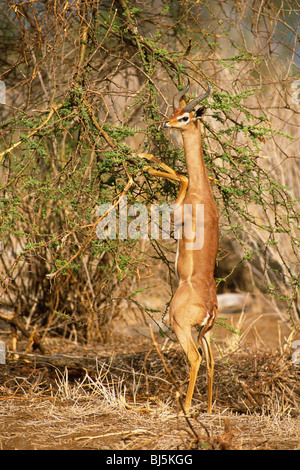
(184, 118)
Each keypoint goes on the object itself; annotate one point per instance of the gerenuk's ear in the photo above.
(200, 111)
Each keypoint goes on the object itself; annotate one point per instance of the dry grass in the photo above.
(92, 424)
(128, 402)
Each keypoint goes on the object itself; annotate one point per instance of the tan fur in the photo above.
(195, 301)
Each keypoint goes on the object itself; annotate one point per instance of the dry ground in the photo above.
(119, 396)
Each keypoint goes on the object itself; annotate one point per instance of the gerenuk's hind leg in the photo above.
(185, 339)
(210, 367)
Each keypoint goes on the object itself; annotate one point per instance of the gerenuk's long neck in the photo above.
(198, 177)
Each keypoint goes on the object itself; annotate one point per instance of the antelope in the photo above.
(194, 303)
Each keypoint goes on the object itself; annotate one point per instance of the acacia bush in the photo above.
(88, 84)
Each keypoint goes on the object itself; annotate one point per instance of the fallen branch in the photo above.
(14, 320)
(61, 361)
(124, 434)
